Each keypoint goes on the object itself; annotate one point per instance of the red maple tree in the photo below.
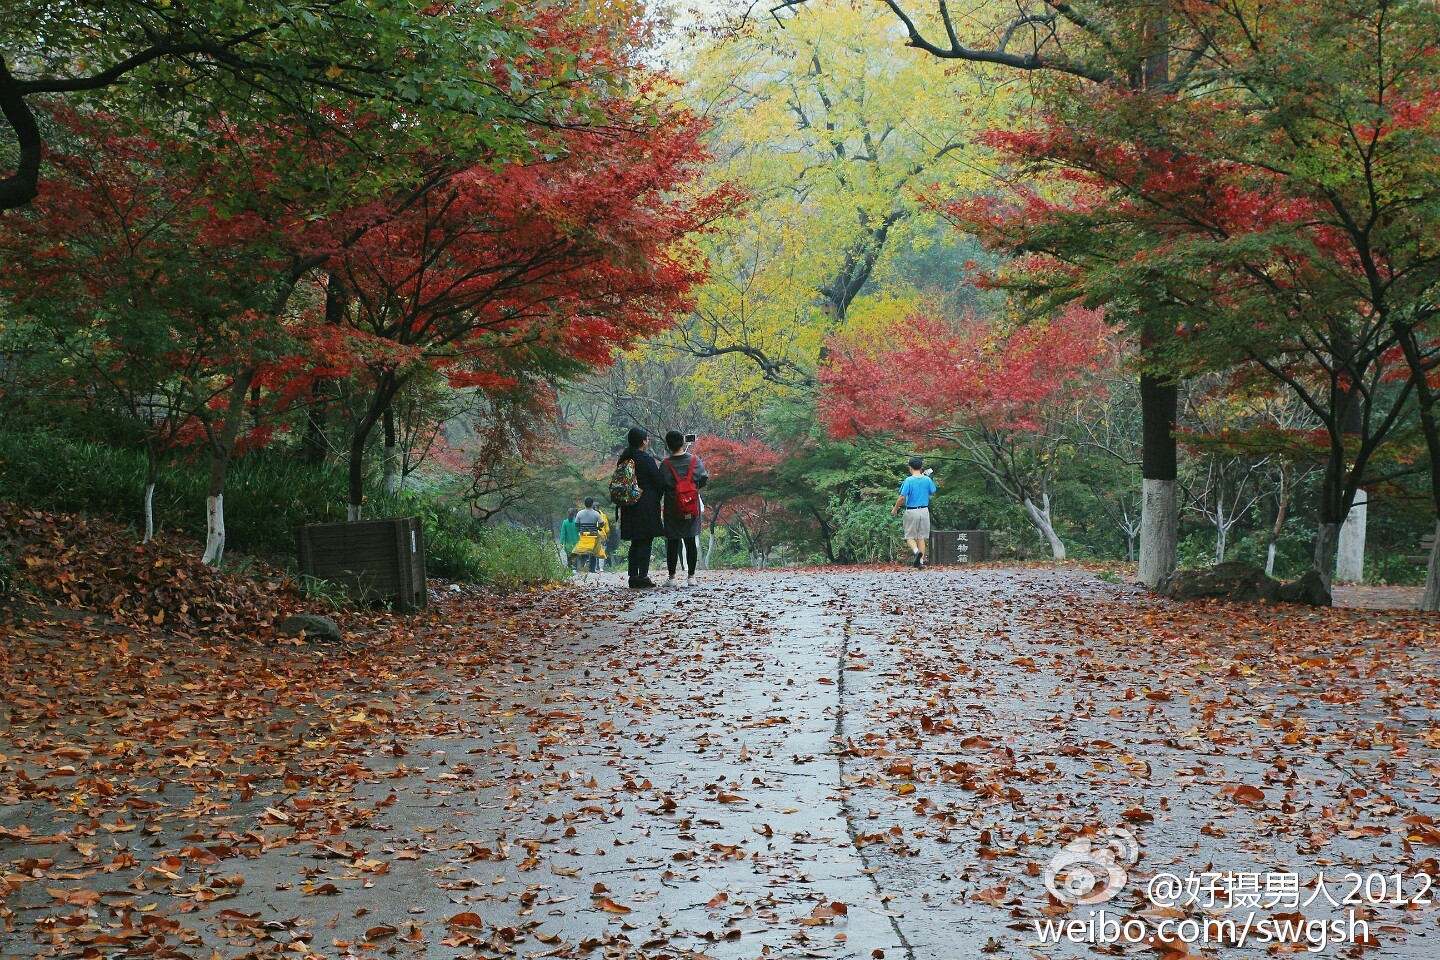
(152, 292)
(504, 278)
(988, 392)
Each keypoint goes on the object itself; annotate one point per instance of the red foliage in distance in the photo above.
(925, 377)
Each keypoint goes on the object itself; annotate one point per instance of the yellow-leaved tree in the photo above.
(837, 139)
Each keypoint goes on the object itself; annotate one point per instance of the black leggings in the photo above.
(672, 553)
(640, 558)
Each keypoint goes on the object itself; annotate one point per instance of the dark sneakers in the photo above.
(918, 559)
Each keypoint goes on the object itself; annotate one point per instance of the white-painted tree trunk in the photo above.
(1282, 509)
(352, 512)
(149, 513)
(214, 530)
(1350, 548)
(1221, 531)
(1159, 530)
(1224, 523)
(1040, 517)
(1130, 526)
(1430, 599)
(390, 470)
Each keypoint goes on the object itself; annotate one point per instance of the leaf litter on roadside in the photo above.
(507, 760)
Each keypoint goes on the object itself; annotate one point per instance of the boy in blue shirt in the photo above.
(914, 497)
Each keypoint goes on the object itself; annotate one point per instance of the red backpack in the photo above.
(687, 495)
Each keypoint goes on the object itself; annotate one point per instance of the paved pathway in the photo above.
(830, 764)
(1378, 598)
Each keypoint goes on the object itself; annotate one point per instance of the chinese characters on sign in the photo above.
(959, 546)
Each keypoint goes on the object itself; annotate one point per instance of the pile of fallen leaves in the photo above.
(145, 769)
(97, 565)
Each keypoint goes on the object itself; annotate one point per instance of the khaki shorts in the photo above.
(917, 523)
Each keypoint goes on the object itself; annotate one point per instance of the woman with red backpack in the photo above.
(681, 477)
(635, 491)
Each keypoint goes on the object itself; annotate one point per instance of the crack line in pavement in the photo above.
(840, 750)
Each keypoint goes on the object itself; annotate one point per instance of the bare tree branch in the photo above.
(953, 49)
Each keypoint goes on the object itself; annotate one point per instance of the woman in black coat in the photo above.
(640, 521)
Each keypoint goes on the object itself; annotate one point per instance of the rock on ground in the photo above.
(1239, 581)
(313, 627)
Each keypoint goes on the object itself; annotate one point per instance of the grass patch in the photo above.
(462, 550)
(268, 494)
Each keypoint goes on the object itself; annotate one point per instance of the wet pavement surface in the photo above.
(840, 764)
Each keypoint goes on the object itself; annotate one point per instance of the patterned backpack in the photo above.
(624, 488)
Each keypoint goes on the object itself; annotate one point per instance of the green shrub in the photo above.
(328, 593)
(1196, 549)
(268, 494)
(47, 469)
(463, 550)
(729, 553)
(1293, 551)
(864, 532)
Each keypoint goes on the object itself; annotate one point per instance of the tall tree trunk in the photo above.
(1040, 517)
(1430, 598)
(1159, 405)
(387, 385)
(390, 468)
(1335, 496)
(355, 474)
(710, 545)
(222, 448)
(254, 408)
(20, 185)
(826, 534)
(1221, 530)
(1332, 514)
(1327, 539)
(1282, 510)
(1160, 501)
(1350, 544)
(149, 511)
(152, 473)
(313, 446)
(1430, 427)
